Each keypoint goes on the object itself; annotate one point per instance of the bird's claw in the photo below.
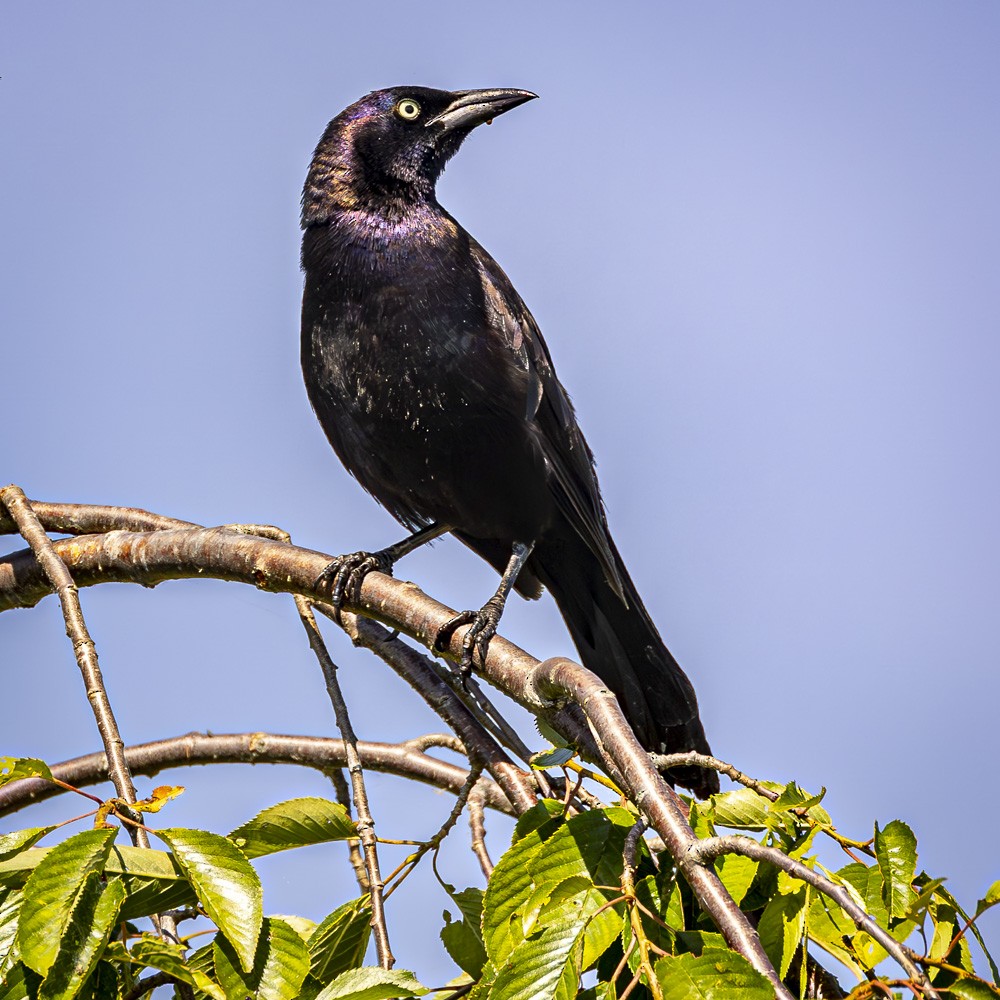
(345, 575)
(484, 624)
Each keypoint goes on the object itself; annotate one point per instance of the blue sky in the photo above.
(762, 241)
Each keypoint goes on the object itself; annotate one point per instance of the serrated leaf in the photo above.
(10, 910)
(102, 984)
(538, 964)
(507, 891)
(51, 891)
(226, 884)
(972, 989)
(991, 898)
(84, 938)
(590, 845)
(741, 809)
(170, 958)
(555, 757)
(829, 926)
(303, 926)
(545, 816)
(16, 768)
(295, 823)
(464, 945)
(153, 881)
(371, 983)
(280, 965)
(781, 927)
(19, 840)
(714, 975)
(974, 930)
(13, 986)
(896, 854)
(737, 874)
(341, 939)
(868, 889)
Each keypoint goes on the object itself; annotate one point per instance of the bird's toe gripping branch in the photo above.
(345, 574)
(484, 622)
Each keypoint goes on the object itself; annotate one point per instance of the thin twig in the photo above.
(365, 822)
(628, 888)
(19, 508)
(477, 826)
(709, 849)
(434, 842)
(150, 983)
(84, 649)
(354, 855)
(664, 762)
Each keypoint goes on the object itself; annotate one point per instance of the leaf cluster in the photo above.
(578, 905)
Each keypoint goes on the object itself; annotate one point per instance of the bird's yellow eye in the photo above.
(408, 109)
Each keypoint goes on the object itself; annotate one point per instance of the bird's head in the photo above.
(389, 148)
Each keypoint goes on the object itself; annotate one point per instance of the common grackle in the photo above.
(436, 390)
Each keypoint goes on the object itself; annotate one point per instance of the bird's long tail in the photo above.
(620, 644)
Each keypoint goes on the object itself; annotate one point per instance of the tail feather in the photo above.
(621, 645)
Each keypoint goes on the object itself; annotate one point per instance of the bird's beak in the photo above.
(473, 107)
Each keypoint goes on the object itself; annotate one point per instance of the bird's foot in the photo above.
(345, 574)
(484, 624)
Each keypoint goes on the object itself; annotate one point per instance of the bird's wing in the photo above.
(549, 411)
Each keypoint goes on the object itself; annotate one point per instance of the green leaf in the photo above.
(14, 987)
(464, 944)
(15, 768)
(12, 843)
(555, 757)
(295, 823)
(84, 938)
(226, 884)
(102, 984)
(303, 926)
(869, 889)
(170, 958)
(781, 927)
(340, 941)
(463, 939)
(51, 891)
(972, 989)
(737, 874)
(896, 853)
(153, 881)
(590, 844)
(538, 965)
(280, 965)
(714, 975)
(742, 809)
(371, 983)
(545, 816)
(576, 901)
(10, 910)
(508, 890)
(828, 927)
(974, 930)
(991, 898)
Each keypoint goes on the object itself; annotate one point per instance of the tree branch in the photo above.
(322, 754)
(714, 847)
(174, 554)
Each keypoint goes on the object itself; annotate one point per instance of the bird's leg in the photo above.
(345, 574)
(486, 620)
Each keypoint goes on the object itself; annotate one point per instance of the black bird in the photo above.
(435, 388)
